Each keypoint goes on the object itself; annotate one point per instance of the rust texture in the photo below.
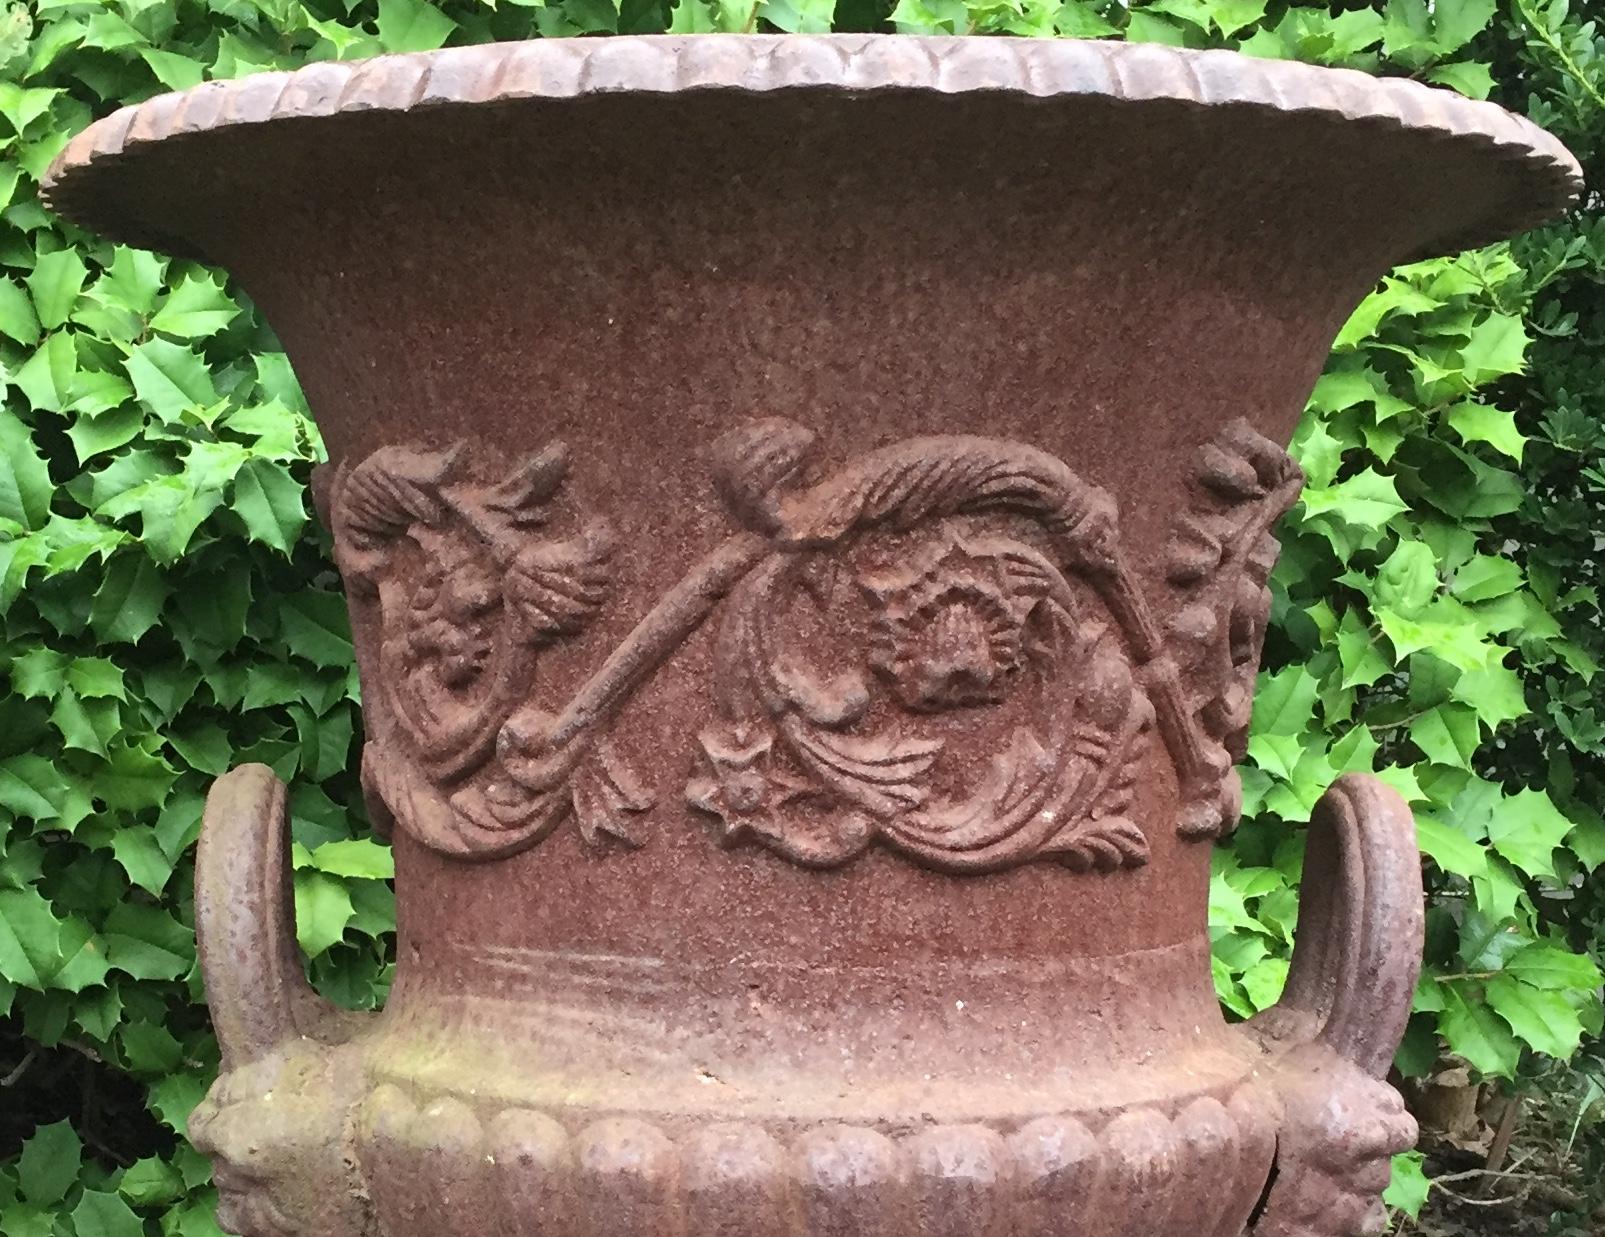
(806, 506)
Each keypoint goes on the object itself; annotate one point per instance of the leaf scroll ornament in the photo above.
(966, 573)
(470, 585)
(1218, 560)
(937, 647)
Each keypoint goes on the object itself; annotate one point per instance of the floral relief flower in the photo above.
(948, 634)
(737, 786)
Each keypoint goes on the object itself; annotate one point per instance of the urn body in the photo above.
(806, 507)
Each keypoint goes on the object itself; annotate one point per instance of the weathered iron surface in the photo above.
(806, 508)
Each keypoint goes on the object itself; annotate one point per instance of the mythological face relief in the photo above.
(453, 621)
(937, 648)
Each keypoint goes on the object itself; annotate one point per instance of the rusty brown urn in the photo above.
(805, 505)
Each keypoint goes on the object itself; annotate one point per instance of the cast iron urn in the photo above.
(806, 508)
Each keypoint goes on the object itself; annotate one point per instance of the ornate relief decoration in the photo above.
(1220, 555)
(939, 577)
(939, 647)
(412, 1160)
(470, 587)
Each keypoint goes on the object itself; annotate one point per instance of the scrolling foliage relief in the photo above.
(938, 647)
(470, 589)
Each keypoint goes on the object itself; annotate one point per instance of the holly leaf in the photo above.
(141, 856)
(1526, 828)
(1318, 452)
(268, 683)
(1449, 734)
(276, 432)
(1359, 657)
(23, 1220)
(1475, 1032)
(1449, 848)
(1587, 840)
(25, 486)
(195, 309)
(151, 1182)
(17, 317)
(169, 379)
(147, 943)
(412, 26)
(1496, 692)
(1498, 346)
(39, 672)
(355, 857)
(1395, 296)
(1264, 981)
(150, 1049)
(1365, 500)
(1457, 22)
(1355, 752)
(82, 958)
(49, 376)
(1285, 702)
(133, 281)
(1449, 639)
(325, 741)
(96, 678)
(692, 17)
(179, 822)
(175, 71)
(1230, 16)
(49, 1163)
(1483, 577)
(799, 16)
(210, 618)
(1409, 1186)
(204, 746)
(322, 911)
(174, 1097)
(129, 600)
(87, 726)
(1542, 1017)
(1079, 19)
(100, 1214)
(1499, 891)
(56, 281)
(29, 787)
(1482, 423)
(99, 1012)
(94, 434)
(1471, 78)
(269, 499)
(316, 627)
(30, 938)
(1551, 968)
(1408, 580)
(108, 32)
(133, 778)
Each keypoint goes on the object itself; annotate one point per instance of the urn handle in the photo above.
(245, 924)
(1360, 930)
(1334, 1032)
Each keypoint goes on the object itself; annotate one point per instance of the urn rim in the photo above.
(1547, 176)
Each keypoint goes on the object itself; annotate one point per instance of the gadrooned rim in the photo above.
(668, 64)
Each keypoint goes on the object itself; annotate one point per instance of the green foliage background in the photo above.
(167, 608)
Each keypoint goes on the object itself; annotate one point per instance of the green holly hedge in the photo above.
(167, 606)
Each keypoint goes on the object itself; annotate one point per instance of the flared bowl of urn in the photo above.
(806, 506)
